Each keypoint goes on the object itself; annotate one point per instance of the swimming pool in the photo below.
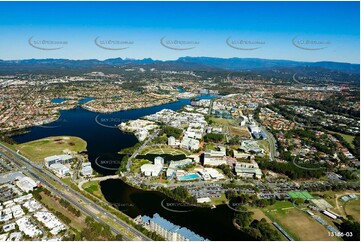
(189, 177)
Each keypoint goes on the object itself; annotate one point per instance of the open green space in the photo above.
(304, 195)
(8, 145)
(137, 163)
(93, 188)
(77, 223)
(164, 150)
(259, 214)
(332, 198)
(223, 121)
(296, 223)
(210, 146)
(279, 205)
(348, 138)
(37, 150)
(264, 144)
(219, 200)
(352, 208)
(239, 131)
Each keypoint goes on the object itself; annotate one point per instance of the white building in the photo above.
(158, 161)
(189, 144)
(141, 134)
(15, 236)
(86, 169)
(256, 132)
(62, 159)
(140, 128)
(215, 157)
(6, 214)
(50, 221)
(168, 230)
(251, 146)
(32, 205)
(244, 120)
(26, 184)
(9, 227)
(28, 227)
(204, 200)
(171, 141)
(151, 169)
(242, 155)
(3, 236)
(248, 170)
(210, 173)
(17, 211)
(174, 165)
(190, 134)
(60, 169)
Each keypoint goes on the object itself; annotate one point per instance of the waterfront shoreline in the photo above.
(126, 181)
(123, 109)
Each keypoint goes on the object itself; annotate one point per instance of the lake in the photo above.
(105, 140)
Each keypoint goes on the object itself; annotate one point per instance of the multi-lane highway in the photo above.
(69, 194)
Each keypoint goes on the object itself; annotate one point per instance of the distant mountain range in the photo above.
(183, 63)
(250, 64)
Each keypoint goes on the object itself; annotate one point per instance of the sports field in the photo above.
(37, 150)
(223, 121)
(239, 131)
(259, 214)
(297, 223)
(303, 195)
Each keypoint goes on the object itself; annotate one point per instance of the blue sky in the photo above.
(333, 27)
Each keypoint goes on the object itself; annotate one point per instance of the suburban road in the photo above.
(152, 136)
(72, 196)
(272, 143)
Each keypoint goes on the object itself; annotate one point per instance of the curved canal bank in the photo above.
(213, 224)
(103, 140)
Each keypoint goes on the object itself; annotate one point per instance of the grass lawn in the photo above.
(223, 121)
(348, 138)
(297, 223)
(164, 150)
(37, 150)
(210, 146)
(8, 145)
(137, 163)
(219, 200)
(279, 205)
(93, 188)
(259, 214)
(264, 144)
(239, 131)
(76, 222)
(352, 207)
